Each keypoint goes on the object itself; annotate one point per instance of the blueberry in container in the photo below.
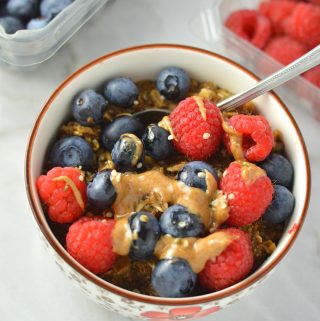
(42, 40)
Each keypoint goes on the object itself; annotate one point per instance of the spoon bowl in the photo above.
(152, 115)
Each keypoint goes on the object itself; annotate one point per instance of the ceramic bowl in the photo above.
(145, 62)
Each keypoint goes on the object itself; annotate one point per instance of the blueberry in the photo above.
(173, 278)
(50, 8)
(193, 174)
(173, 83)
(100, 191)
(145, 234)
(156, 142)
(11, 24)
(24, 9)
(281, 207)
(37, 23)
(121, 92)
(179, 222)
(72, 151)
(128, 153)
(278, 168)
(121, 125)
(88, 107)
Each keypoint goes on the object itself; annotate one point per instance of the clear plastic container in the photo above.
(30, 47)
(209, 26)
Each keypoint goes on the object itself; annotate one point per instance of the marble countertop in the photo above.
(31, 286)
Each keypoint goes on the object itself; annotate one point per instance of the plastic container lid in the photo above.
(30, 47)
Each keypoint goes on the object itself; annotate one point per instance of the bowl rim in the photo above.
(46, 231)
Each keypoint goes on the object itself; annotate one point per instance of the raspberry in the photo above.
(316, 2)
(277, 11)
(89, 241)
(285, 49)
(64, 192)
(304, 24)
(250, 25)
(248, 190)
(257, 138)
(196, 125)
(231, 266)
(313, 75)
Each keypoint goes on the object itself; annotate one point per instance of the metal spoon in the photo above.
(297, 67)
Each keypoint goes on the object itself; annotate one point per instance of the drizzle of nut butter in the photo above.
(235, 141)
(132, 187)
(166, 125)
(196, 251)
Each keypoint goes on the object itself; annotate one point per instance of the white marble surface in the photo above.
(31, 286)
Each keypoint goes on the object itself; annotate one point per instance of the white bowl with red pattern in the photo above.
(145, 62)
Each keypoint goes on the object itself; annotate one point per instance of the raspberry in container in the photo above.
(210, 26)
(28, 47)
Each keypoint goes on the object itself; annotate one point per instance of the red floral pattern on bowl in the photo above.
(188, 313)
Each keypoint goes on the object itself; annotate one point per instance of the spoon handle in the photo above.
(297, 67)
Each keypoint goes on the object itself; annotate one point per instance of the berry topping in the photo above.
(157, 142)
(89, 241)
(63, 190)
(285, 49)
(173, 83)
(231, 266)
(128, 153)
(50, 8)
(145, 234)
(173, 278)
(250, 25)
(256, 135)
(121, 92)
(100, 191)
(121, 125)
(281, 207)
(278, 169)
(277, 12)
(304, 24)
(88, 107)
(24, 9)
(72, 151)
(179, 222)
(194, 174)
(248, 191)
(196, 124)
(37, 23)
(11, 24)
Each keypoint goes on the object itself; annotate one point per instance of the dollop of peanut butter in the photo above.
(196, 251)
(220, 210)
(166, 125)
(131, 188)
(210, 206)
(251, 172)
(122, 237)
(235, 141)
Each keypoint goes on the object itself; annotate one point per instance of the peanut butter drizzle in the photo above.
(122, 237)
(166, 125)
(131, 188)
(139, 147)
(202, 108)
(69, 182)
(250, 172)
(220, 210)
(196, 251)
(235, 141)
